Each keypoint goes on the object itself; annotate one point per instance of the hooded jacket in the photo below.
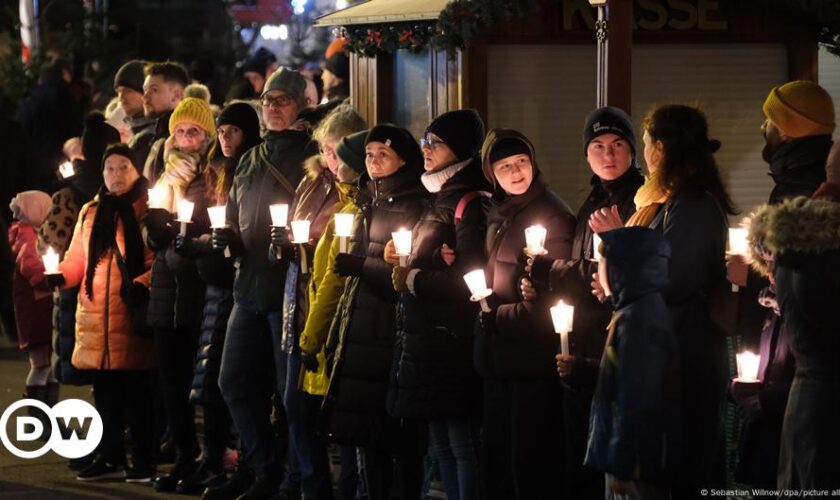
(365, 322)
(802, 237)
(518, 339)
(634, 425)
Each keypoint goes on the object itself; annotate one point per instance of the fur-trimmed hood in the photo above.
(314, 166)
(801, 225)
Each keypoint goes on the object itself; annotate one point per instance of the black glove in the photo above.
(55, 280)
(159, 227)
(280, 237)
(493, 302)
(540, 270)
(310, 361)
(310, 253)
(135, 294)
(221, 237)
(348, 265)
(190, 247)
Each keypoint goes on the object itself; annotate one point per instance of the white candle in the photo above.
(50, 261)
(535, 240)
(279, 214)
(343, 229)
(596, 245)
(217, 216)
(156, 195)
(300, 231)
(66, 169)
(477, 283)
(747, 366)
(185, 211)
(562, 315)
(402, 244)
(738, 245)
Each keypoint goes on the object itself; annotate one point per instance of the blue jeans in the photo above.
(455, 443)
(251, 371)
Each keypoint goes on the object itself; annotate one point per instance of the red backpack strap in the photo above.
(465, 200)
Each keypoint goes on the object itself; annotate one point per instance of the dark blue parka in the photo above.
(634, 427)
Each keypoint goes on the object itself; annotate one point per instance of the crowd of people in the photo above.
(187, 282)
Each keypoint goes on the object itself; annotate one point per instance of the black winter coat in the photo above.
(176, 295)
(260, 283)
(570, 280)
(435, 377)
(517, 340)
(366, 317)
(635, 423)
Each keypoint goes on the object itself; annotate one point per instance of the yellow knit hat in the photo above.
(800, 108)
(195, 111)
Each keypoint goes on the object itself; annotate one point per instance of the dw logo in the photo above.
(76, 428)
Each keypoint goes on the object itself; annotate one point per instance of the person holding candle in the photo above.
(253, 365)
(163, 89)
(108, 260)
(796, 242)
(177, 293)
(634, 435)
(390, 196)
(609, 145)
(436, 381)
(316, 199)
(238, 130)
(32, 305)
(684, 198)
(516, 344)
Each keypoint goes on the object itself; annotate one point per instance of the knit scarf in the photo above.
(649, 200)
(434, 181)
(180, 170)
(110, 210)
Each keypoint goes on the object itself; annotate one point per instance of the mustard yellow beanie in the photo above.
(800, 108)
(196, 112)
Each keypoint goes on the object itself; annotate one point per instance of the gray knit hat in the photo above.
(289, 81)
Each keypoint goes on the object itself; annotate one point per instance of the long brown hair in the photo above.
(689, 163)
(218, 176)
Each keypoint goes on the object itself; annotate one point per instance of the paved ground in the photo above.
(48, 477)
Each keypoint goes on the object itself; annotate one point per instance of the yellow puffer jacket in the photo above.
(104, 337)
(325, 289)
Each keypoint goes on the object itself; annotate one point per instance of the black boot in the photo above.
(168, 482)
(263, 488)
(237, 484)
(207, 475)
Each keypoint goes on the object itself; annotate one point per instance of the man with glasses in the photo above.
(253, 364)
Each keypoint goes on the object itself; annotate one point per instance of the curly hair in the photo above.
(689, 163)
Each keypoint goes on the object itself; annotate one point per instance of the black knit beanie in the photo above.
(398, 139)
(130, 75)
(462, 130)
(119, 149)
(608, 120)
(97, 135)
(339, 65)
(351, 150)
(509, 146)
(242, 115)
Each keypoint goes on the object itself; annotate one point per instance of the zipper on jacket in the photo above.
(106, 359)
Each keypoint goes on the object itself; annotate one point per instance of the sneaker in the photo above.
(263, 488)
(236, 485)
(139, 474)
(168, 482)
(99, 470)
(205, 476)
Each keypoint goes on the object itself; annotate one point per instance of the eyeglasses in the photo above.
(280, 101)
(430, 142)
(191, 132)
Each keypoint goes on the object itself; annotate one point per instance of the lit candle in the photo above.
(596, 246)
(217, 221)
(50, 261)
(535, 240)
(279, 214)
(477, 283)
(343, 229)
(402, 244)
(300, 232)
(66, 169)
(738, 245)
(747, 367)
(156, 196)
(562, 315)
(185, 211)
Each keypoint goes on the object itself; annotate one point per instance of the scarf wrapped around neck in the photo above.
(103, 236)
(180, 170)
(649, 200)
